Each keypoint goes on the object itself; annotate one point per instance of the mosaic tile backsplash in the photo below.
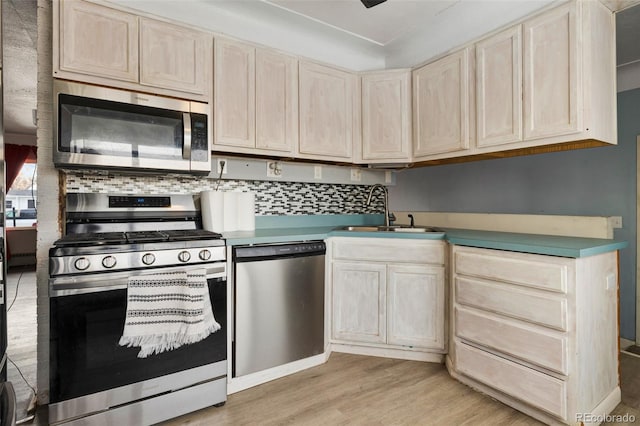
(272, 198)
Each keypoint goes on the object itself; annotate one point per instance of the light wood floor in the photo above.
(21, 334)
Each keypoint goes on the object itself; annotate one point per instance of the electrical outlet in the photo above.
(387, 177)
(616, 222)
(356, 175)
(274, 169)
(317, 172)
(223, 165)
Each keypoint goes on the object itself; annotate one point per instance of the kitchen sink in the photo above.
(392, 228)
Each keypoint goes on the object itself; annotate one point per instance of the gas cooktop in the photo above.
(91, 239)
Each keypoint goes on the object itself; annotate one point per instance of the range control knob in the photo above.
(148, 258)
(204, 255)
(81, 263)
(184, 256)
(109, 262)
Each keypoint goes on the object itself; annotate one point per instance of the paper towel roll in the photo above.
(212, 210)
(246, 211)
(230, 211)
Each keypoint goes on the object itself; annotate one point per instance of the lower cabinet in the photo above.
(385, 299)
(539, 333)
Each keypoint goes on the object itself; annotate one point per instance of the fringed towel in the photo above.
(166, 311)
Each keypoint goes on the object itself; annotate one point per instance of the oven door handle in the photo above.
(83, 284)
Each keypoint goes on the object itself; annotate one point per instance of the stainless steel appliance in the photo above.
(108, 239)
(110, 128)
(279, 304)
(7, 404)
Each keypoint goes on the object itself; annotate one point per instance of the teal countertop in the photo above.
(532, 243)
(280, 229)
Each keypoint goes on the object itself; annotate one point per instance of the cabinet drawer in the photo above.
(545, 272)
(530, 305)
(532, 387)
(532, 344)
(389, 250)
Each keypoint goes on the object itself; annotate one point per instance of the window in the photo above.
(21, 200)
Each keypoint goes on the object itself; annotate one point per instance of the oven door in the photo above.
(90, 372)
(102, 127)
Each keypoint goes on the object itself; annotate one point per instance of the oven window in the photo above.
(86, 357)
(90, 126)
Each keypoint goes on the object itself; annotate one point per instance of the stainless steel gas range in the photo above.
(109, 239)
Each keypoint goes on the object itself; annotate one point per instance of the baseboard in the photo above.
(237, 384)
(625, 343)
(388, 353)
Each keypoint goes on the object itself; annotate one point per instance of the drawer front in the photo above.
(528, 270)
(542, 308)
(389, 250)
(532, 387)
(532, 344)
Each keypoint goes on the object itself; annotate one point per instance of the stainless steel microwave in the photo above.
(98, 127)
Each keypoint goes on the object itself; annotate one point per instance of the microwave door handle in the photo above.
(186, 147)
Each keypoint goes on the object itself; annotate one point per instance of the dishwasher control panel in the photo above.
(307, 248)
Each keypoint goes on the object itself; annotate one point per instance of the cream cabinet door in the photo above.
(175, 57)
(96, 41)
(499, 88)
(327, 102)
(551, 98)
(234, 94)
(386, 116)
(359, 302)
(441, 106)
(415, 313)
(276, 101)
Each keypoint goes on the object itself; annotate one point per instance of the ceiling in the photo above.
(404, 28)
(380, 24)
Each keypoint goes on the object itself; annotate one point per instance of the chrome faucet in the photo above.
(387, 215)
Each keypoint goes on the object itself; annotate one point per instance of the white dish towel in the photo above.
(166, 311)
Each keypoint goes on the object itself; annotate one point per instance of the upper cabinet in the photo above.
(101, 45)
(329, 113)
(255, 99)
(185, 68)
(276, 101)
(234, 94)
(552, 61)
(550, 80)
(96, 41)
(386, 116)
(441, 106)
(499, 88)
(545, 84)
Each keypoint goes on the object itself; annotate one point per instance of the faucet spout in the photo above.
(386, 200)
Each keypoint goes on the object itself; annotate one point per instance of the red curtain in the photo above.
(15, 156)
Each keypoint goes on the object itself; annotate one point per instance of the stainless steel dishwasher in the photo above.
(279, 304)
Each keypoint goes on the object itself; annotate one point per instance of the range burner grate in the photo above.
(132, 237)
(146, 237)
(91, 239)
(191, 234)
